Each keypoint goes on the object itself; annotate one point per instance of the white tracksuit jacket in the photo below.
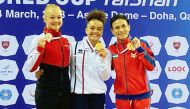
(91, 69)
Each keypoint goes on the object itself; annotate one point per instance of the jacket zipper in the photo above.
(61, 80)
(125, 68)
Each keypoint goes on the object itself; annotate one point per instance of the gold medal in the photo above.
(48, 37)
(98, 46)
(130, 46)
(100, 49)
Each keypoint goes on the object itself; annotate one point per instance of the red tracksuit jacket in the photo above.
(130, 67)
(53, 59)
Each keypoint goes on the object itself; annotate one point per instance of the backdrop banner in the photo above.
(164, 24)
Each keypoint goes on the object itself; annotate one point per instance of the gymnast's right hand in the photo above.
(39, 73)
(42, 42)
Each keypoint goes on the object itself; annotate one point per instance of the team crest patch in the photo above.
(114, 56)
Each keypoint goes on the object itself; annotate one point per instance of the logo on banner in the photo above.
(32, 92)
(156, 46)
(5, 94)
(9, 45)
(29, 93)
(5, 44)
(150, 44)
(28, 75)
(155, 97)
(176, 46)
(8, 70)
(26, 43)
(176, 69)
(177, 93)
(8, 94)
(155, 74)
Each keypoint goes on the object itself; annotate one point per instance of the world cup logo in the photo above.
(176, 45)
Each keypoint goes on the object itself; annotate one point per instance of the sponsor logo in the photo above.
(176, 45)
(8, 94)
(5, 94)
(28, 75)
(8, 70)
(176, 69)
(9, 45)
(5, 44)
(177, 93)
(29, 94)
(155, 97)
(27, 42)
(150, 44)
(156, 46)
(155, 74)
(80, 51)
(32, 92)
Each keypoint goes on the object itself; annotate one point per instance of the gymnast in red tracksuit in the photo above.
(131, 57)
(50, 52)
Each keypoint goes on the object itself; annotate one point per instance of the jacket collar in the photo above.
(87, 44)
(125, 42)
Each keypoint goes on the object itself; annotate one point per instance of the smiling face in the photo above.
(120, 29)
(94, 30)
(53, 18)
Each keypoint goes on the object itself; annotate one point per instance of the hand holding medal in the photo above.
(134, 44)
(99, 46)
(48, 37)
(100, 49)
(42, 41)
(130, 46)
